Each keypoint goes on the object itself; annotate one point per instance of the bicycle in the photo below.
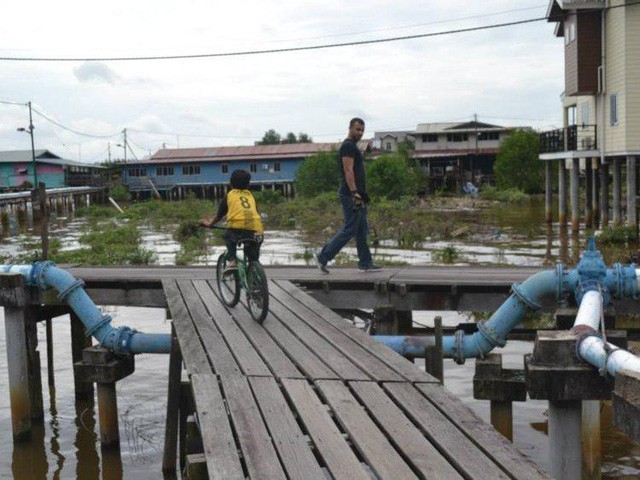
(248, 276)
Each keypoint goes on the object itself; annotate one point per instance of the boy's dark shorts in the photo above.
(251, 249)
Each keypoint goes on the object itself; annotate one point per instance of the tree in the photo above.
(271, 137)
(318, 173)
(517, 164)
(390, 176)
(304, 138)
(290, 138)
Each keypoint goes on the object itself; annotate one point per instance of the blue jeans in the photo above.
(355, 225)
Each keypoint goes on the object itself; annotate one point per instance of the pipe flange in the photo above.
(458, 350)
(37, 274)
(518, 292)
(122, 342)
(491, 336)
(62, 296)
(105, 321)
(581, 338)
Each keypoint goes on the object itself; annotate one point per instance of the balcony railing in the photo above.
(569, 139)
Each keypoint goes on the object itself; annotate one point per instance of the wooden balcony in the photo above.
(574, 138)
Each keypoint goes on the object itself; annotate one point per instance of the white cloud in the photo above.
(511, 72)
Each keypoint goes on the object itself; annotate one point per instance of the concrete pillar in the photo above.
(565, 438)
(604, 194)
(108, 415)
(588, 194)
(548, 192)
(617, 193)
(595, 191)
(591, 440)
(562, 193)
(575, 194)
(632, 213)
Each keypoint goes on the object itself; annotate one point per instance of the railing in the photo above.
(569, 139)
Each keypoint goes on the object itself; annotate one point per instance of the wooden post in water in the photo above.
(562, 193)
(50, 371)
(548, 191)
(604, 195)
(588, 196)
(617, 193)
(79, 341)
(14, 300)
(632, 208)
(433, 353)
(595, 191)
(385, 320)
(575, 194)
(33, 358)
(173, 406)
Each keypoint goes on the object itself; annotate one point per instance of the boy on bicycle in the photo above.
(243, 218)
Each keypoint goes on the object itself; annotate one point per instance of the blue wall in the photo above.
(211, 172)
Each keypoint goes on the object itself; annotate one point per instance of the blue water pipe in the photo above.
(122, 340)
(619, 281)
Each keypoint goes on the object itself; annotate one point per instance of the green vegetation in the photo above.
(271, 137)
(509, 195)
(619, 235)
(448, 254)
(120, 193)
(517, 164)
(390, 176)
(318, 174)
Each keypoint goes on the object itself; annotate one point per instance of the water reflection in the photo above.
(30, 458)
(55, 434)
(87, 465)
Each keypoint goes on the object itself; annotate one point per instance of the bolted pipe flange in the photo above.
(522, 296)
(625, 280)
(104, 321)
(37, 274)
(62, 296)
(592, 286)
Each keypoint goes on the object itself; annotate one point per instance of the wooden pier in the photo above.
(307, 395)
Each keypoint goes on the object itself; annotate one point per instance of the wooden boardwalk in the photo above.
(308, 396)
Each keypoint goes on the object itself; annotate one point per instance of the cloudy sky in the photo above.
(507, 76)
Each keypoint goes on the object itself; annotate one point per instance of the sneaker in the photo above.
(321, 266)
(371, 268)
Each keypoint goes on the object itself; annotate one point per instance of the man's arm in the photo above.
(223, 208)
(350, 178)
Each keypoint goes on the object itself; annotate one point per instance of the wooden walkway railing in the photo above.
(306, 395)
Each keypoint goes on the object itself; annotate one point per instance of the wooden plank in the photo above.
(375, 368)
(416, 449)
(400, 365)
(217, 350)
(280, 364)
(295, 453)
(173, 406)
(223, 461)
(336, 453)
(244, 352)
(259, 453)
(330, 355)
(193, 354)
(459, 450)
(482, 434)
(365, 435)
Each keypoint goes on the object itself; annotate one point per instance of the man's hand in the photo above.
(357, 199)
(205, 222)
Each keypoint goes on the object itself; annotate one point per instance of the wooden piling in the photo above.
(604, 195)
(565, 438)
(14, 300)
(50, 366)
(588, 195)
(33, 359)
(575, 194)
(108, 415)
(173, 406)
(632, 208)
(385, 320)
(79, 341)
(617, 193)
(548, 192)
(591, 440)
(562, 193)
(433, 355)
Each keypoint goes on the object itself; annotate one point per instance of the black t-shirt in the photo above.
(349, 148)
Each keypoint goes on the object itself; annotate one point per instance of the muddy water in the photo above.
(66, 445)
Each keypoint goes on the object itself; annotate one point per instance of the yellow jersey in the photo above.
(242, 212)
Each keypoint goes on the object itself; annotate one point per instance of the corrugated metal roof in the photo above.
(42, 156)
(213, 153)
(453, 153)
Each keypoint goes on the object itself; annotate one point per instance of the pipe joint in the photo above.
(106, 320)
(37, 276)
(457, 352)
(625, 280)
(521, 294)
(62, 296)
(491, 335)
(122, 338)
(592, 286)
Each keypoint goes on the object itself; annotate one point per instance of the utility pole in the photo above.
(109, 151)
(33, 148)
(475, 121)
(125, 145)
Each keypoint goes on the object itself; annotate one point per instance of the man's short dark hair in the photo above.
(356, 120)
(240, 179)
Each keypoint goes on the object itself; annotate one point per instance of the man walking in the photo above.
(353, 198)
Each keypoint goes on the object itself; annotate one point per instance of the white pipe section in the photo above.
(595, 350)
(590, 311)
(638, 279)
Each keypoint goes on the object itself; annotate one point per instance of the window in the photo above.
(457, 137)
(488, 136)
(191, 170)
(569, 30)
(276, 166)
(572, 115)
(164, 171)
(613, 107)
(224, 168)
(387, 146)
(137, 172)
(585, 114)
(253, 167)
(430, 138)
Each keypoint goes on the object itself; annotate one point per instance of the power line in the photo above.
(7, 102)
(71, 129)
(269, 51)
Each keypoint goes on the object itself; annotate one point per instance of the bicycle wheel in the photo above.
(257, 292)
(228, 282)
